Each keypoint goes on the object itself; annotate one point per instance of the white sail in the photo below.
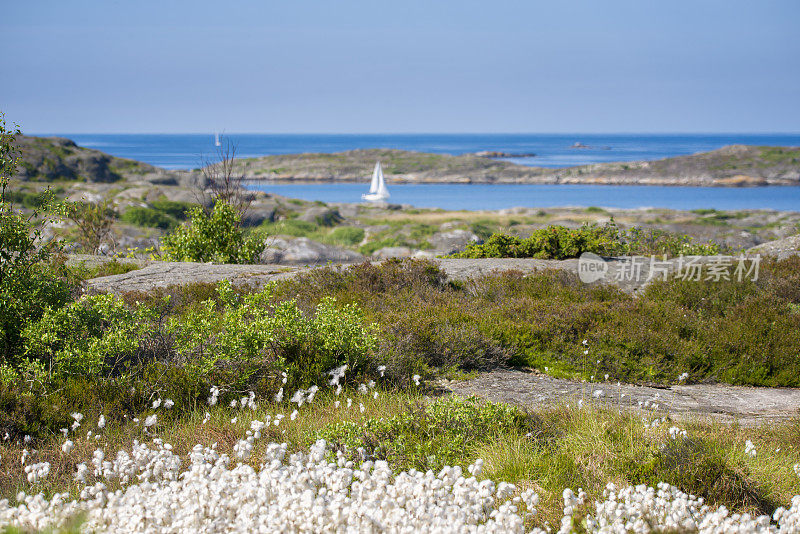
(382, 191)
(373, 185)
(216, 139)
(377, 186)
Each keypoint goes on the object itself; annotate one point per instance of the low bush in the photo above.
(559, 242)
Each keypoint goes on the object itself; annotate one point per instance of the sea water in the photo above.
(186, 151)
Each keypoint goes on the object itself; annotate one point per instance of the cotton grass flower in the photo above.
(750, 449)
(308, 492)
(213, 396)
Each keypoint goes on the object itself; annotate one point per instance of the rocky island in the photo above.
(731, 166)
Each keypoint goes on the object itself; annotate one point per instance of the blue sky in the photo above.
(410, 66)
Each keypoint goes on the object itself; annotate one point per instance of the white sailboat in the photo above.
(216, 139)
(377, 187)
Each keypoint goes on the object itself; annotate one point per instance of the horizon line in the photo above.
(212, 132)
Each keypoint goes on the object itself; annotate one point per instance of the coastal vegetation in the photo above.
(171, 388)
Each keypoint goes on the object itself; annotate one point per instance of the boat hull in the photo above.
(374, 197)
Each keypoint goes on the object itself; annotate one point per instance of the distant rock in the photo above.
(494, 154)
(393, 252)
(303, 251)
(452, 241)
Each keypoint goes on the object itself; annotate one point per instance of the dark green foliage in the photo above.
(149, 217)
(164, 214)
(559, 242)
(173, 208)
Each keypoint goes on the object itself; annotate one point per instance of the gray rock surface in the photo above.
(393, 252)
(321, 215)
(781, 248)
(303, 251)
(622, 272)
(748, 405)
(452, 241)
(164, 274)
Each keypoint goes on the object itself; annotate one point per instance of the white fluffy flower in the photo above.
(67, 446)
(150, 420)
(169, 403)
(101, 421)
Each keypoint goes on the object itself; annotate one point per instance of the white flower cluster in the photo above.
(675, 432)
(302, 493)
(310, 493)
(750, 449)
(665, 508)
(37, 472)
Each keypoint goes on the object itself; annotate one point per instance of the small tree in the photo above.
(94, 221)
(224, 182)
(213, 237)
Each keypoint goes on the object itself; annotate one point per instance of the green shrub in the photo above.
(483, 228)
(252, 334)
(426, 436)
(215, 237)
(148, 217)
(95, 335)
(345, 235)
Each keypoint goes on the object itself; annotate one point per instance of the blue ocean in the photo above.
(186, 151)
